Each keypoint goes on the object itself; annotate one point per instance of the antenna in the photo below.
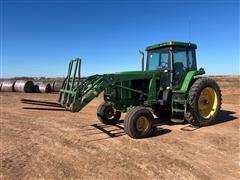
(189, 30)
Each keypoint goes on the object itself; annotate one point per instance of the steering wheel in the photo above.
(164, 65)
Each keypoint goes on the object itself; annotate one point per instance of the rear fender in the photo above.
(191, 76)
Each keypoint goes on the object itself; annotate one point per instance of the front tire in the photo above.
(139, 123)
(107, 114)
(204, 102)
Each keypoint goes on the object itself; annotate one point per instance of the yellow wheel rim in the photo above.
(110, 112)
(207, 102)
(142, 124)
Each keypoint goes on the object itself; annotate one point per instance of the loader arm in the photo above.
(75, 94)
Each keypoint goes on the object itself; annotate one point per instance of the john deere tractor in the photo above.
(170, 87)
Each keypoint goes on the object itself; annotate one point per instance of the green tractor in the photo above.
(170, 87)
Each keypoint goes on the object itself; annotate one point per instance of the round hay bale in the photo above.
(1, 81)
(8, 86)
(57, 86)
(23, 86)
(42, 87)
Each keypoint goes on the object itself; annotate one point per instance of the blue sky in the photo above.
(38, 38)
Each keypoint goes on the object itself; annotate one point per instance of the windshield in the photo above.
(158, 58)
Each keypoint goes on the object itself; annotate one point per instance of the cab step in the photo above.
(177, 120)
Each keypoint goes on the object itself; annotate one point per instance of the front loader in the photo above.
(170, 87)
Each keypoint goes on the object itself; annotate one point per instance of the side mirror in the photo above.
(142, 59)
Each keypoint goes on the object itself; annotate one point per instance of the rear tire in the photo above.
(204, 102)
(139, 123)
(107, 114)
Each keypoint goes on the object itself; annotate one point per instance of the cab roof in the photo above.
(172, 43)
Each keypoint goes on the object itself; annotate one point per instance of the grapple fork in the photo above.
(76, 93)
(66, 96)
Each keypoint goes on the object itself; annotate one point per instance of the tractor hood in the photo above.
(131, 75)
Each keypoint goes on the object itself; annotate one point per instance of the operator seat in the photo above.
(178, 67)
(179, 74)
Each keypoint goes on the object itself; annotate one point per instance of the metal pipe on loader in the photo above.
(41, 87)
(8, 86)
(23, 86)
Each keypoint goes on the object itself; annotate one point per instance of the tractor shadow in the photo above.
(44, 109)
(225, 116)
(112, 133)
(42, 103)
(117, 130)
(55, 105)
(158, 131)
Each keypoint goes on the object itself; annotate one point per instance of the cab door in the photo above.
(180, 66)
(159, 59)
(164, 66)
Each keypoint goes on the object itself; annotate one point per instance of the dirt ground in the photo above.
(40, 142)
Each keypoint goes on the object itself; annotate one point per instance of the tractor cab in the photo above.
(174, 59)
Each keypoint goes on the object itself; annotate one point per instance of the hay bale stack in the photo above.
(41, 87)
(23, 86)
(8, 86)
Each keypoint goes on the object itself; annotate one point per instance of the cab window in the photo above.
(164, 60)
(153, 60)
(180, 60)
(192, 59)
(158, 58)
